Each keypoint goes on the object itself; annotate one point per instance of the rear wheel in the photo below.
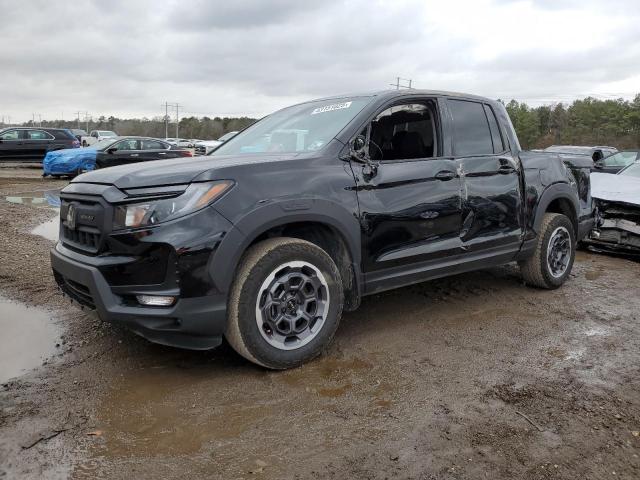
(285, 303)
(552, 260)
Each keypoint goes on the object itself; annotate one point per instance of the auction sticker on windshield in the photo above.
(330, 108)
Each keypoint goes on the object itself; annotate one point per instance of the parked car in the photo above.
(31, 143)
(617, 198)
(108, 153)
(97, 136)
(205, 147)
(616, 162)
(270, 238)
(180, 142)
(227, 136)
(78, 133)
(596, 153)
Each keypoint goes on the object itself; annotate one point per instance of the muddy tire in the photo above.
(552, 260)
(285, 303)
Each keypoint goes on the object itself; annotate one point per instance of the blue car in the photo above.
(108, 153)
(70, 161)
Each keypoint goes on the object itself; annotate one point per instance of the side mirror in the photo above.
(357, 149)
(598, 164)
(112, 150)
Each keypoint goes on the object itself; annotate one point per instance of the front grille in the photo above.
(82, 238)
(75, 290)
(92, 222)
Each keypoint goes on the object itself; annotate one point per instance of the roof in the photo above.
(391, 93)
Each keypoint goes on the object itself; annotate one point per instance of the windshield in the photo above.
(106, 133)
(569, 150)
(632, 170)
(302, 128)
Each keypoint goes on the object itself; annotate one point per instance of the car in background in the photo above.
(596, 152)
(78, 133)
(617, 199)
(180, 142)
(205, 147)
(97, 136)
(227, 136)
(616, 162)
(108, 153)
(31, 143)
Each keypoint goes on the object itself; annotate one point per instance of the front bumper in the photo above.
(196, 323)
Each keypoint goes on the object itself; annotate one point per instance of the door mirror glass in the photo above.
(112, 150)
(598, 164)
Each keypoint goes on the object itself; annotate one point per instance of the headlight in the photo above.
(151, 212)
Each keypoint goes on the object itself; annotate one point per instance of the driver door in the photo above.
(409, 194)
(123, 152)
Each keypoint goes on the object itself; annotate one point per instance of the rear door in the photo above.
(153, 149)
(12, 143)
(492, 220)
(37, 143)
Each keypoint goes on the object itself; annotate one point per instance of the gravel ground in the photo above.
(474, 376)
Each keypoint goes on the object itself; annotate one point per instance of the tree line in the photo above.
(583, 122)
(204, 128)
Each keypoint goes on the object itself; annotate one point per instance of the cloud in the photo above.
(125, 58)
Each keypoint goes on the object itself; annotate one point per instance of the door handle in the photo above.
(162, 153)
(506, 166)
(445, 175)
(134, 154)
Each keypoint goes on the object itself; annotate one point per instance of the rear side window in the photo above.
(472, 134)
(153, 145)
(38, 135)
(496, 137)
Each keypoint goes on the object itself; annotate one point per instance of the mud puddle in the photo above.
(28, 337)
(49, 229)
(44, 198)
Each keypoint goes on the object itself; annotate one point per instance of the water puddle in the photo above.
(28, 337)
(45, 198)
(48, 229)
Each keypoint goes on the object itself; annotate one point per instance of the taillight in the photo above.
(186, 153)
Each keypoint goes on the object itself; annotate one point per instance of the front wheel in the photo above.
(285, 303)
(552, 260)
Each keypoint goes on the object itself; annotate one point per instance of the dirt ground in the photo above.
(474, 376)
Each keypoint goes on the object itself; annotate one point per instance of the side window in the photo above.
(496, 136)
(471, 129)
(404, 132)
(38, 135)
(10, 135)
(620, 159)
(153, 145)
(126, 145)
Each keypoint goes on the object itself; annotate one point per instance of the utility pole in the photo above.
(86, 119)
(402, 83)
(78, 119)
(166, 119)
(39, 120)
(177, 118)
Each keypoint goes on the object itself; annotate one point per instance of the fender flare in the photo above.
(225, 260)
(554, 192)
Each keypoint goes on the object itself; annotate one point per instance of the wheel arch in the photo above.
(558, 198)
(330, 227)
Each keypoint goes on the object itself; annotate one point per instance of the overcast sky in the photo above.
(244, 57)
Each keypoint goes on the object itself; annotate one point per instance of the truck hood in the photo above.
(174, 171)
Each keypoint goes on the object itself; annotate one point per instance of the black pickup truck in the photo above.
(299, 216)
